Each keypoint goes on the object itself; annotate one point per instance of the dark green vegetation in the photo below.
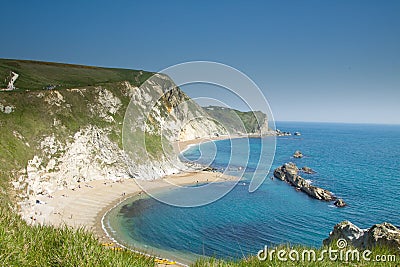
(36, 75)
(32, 119)
(237, 121)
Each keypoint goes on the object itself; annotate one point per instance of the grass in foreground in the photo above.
(24, 245)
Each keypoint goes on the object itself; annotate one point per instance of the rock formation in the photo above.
(340, 203)
(11, 80)
(290, 174)
(80, 129)
(379, 235)
(70, 124)
(307, 170)
(6, 109)
(282, 133)
(298, 154)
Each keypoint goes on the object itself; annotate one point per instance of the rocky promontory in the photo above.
(289, 173)
(379, 235)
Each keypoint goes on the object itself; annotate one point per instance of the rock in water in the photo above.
(381, 235)
(318, 193)
(298, 154)
(307, 170)
(289, 173)
(340, 203)
(278, 173)
(345, 230)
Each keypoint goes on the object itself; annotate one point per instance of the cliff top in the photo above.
(37, 75)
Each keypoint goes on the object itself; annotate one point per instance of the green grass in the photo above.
(237, 121)
(36, 75)
(153, 145)
(25, 245)
(251, 120)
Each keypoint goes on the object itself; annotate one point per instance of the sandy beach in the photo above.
(85, 206)
(183, 145)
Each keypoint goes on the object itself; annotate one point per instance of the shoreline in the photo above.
(182, 146)
(180, 179)
(87, 205)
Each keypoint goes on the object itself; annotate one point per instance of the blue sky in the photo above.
(314, 60)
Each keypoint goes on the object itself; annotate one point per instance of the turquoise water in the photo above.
(359, 163)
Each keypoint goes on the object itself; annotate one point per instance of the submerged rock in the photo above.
(290, 173)
(340, 203)
(381, 235)
(298, 154)
(307, 170)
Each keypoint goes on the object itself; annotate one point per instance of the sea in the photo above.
(359, 163)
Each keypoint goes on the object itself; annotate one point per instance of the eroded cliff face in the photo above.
(72, 136)
(74, 124)
(160, 108)
(159, 115)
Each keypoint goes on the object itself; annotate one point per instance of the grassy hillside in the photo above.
(21, 131)
(38, 113)
(238, 121)
(33, 118)
(36, 75)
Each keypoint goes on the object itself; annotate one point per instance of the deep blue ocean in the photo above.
(357, 162)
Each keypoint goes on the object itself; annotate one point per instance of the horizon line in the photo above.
(343, 122)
